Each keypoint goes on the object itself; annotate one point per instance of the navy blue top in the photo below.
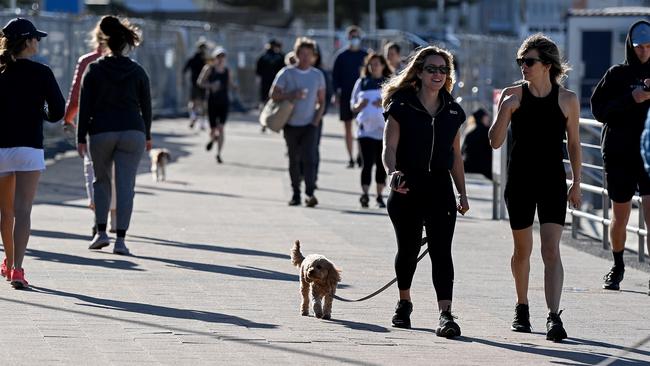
(347, 67)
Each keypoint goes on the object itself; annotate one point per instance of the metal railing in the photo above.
(594, 183)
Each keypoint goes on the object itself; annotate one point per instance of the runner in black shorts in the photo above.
(541, 113)
(621, 101)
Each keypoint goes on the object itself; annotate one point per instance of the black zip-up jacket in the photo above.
(25, 87)
(115, 96)
(612, 104)
(416, 157)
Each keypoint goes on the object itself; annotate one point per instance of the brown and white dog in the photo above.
(318, 276)
(159, 160)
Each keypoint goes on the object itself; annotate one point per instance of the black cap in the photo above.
(275, 43)
(21, 28)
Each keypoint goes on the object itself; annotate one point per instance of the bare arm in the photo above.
(508, 103)
(569, 103)
(391, 139)
(320, 100)
(278, 95)
(202, 81)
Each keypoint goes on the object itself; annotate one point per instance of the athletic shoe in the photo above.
(359, 161)
(402, 317)
(521, 322)
(311, 201)
(100, 240)
(4, 271)
(554, 329)
(219, 159)
(350, 164)
(613, 278)
(18, 280)
(364, 200)
(120, 247)
(380, 202)
(295, 200)
(209, 145)
(448, 328)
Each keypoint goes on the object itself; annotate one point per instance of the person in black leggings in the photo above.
(421, 149)
(541, 113)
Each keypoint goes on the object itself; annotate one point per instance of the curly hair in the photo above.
(548, 53)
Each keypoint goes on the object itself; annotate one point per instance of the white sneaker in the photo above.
(100, 240)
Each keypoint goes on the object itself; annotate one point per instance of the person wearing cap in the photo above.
(621, 101)
(194, 65)
(98, 43)
(217, 80)
(25, 87)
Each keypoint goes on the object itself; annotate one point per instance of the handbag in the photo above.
(275, 115)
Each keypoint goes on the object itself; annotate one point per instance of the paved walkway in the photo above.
(211, 283)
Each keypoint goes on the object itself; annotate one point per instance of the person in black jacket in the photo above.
(422, 156)
(621, 102)
(268, 65)
(196, 103)
(115, 110)
(25, 87)
(477, 151)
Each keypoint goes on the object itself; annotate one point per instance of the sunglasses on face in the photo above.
(528, 61)
(432, 69)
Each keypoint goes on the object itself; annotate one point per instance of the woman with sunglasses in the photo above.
(422, 155)
(25, 87)
(541, 113)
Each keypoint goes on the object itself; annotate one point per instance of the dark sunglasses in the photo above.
(529, 61)
(432, 69)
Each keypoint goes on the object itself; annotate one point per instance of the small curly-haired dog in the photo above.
(319, 276)
(159, 160)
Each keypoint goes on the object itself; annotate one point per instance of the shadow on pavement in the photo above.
(46, 256)
(157, 310)
(258, 167)
(60, 235)
(244, 271)
(208, 247)
(361, 326)
(578, 358)
(189, 191)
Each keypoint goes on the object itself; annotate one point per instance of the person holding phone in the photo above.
(422, 155)
(541, 113)
(621, 101)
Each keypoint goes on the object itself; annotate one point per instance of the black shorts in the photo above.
(197, 93)
(625, 178)
(523, 197)
(217, 113)
(345, 113)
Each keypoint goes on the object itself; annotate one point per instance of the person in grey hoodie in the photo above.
(115, 111)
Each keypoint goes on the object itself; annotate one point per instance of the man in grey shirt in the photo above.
(305, 86)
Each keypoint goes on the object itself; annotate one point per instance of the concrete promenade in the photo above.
(211, 283)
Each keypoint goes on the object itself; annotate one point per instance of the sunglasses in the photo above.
(528, 61)
(432, 69)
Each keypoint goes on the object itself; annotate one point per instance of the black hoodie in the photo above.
(115, 96)
(612, 104)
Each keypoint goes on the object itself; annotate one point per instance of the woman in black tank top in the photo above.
(541, 113)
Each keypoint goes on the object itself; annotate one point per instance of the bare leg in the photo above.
(553, 270)
(405, 294)
(26, 184)
(380, 189)
(444, 305)
(617, 233)
(349, 139)
(221, 138)
(520, 262)
(365, 188)
(7, 192)
(646, 216)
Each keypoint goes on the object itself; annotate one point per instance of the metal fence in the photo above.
(592, 219)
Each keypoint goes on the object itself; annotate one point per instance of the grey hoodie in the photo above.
(115, 96)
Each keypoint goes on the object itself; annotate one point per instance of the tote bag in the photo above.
(275, 115)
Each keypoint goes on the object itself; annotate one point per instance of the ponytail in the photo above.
(9, 48)
(120, 34)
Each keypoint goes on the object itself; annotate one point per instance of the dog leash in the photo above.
(424, 241)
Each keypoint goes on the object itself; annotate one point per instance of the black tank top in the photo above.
(538, 130)
(224, 79)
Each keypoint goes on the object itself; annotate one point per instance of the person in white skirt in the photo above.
(25, 87)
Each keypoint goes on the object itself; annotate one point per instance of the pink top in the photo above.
(72, 108)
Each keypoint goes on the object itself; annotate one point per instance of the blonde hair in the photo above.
(304, 42)
(96, 37)
(548, 53)
(408, 78)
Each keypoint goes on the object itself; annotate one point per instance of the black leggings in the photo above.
(408, 213)
(371, 155)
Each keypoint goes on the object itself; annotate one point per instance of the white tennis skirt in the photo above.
(21, 159)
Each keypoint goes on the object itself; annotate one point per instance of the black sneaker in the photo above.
(359, 161)
(613, 278)
(219, 159)
(295, 201)
(448, 328)
(554, 329)
(350, 164)
(209, 145)
(311, 201)
(380, 202)
(521, 322)
(402, 317)
(364, 200)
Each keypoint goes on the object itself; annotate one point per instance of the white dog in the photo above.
(159, 160)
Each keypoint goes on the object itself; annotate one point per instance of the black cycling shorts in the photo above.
(625, 178)
(524, 197)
